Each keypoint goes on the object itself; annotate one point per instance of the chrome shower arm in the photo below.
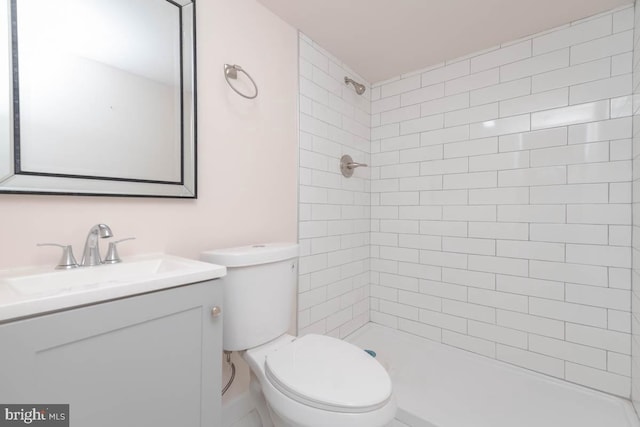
(360, 88)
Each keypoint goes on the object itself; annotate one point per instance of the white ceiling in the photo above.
(381, 39)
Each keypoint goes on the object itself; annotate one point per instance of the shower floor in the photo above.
(441, 386)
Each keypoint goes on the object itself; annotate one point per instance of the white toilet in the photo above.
(312, 381)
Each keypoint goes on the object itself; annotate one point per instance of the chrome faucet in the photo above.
(91, 254)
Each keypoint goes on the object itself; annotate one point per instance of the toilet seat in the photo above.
(295, 413)
(326, 373)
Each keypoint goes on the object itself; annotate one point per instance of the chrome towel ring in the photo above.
(231, 72)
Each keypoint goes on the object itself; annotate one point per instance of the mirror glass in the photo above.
(101, 97)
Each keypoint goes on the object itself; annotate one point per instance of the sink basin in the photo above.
(57, 281)
(32, 291)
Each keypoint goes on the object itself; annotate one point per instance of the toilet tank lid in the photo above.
(251, 255)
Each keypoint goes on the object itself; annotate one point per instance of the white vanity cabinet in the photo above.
(146, 360)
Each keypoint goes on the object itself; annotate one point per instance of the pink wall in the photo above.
(247, 158)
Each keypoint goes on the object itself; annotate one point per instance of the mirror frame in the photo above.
(12, 180)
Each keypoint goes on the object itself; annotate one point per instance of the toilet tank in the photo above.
(259, 292)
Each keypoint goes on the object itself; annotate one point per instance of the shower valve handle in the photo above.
(354, 165)
(347, 165)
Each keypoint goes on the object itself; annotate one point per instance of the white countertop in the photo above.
(37, 290)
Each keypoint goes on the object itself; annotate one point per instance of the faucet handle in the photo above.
(112, 253)
(67, 261)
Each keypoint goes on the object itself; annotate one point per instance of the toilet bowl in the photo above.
(317, 380)
(309, 381)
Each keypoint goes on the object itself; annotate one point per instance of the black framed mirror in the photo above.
(100, 97)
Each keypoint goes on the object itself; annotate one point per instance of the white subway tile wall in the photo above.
(334, 216)
(501, 203)
(496, 215)
(635, 297)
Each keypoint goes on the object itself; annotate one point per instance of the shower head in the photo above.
(360, 88)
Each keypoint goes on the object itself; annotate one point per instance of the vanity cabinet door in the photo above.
(148, 360)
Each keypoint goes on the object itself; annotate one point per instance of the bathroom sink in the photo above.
(56, 281)
(31, 291)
